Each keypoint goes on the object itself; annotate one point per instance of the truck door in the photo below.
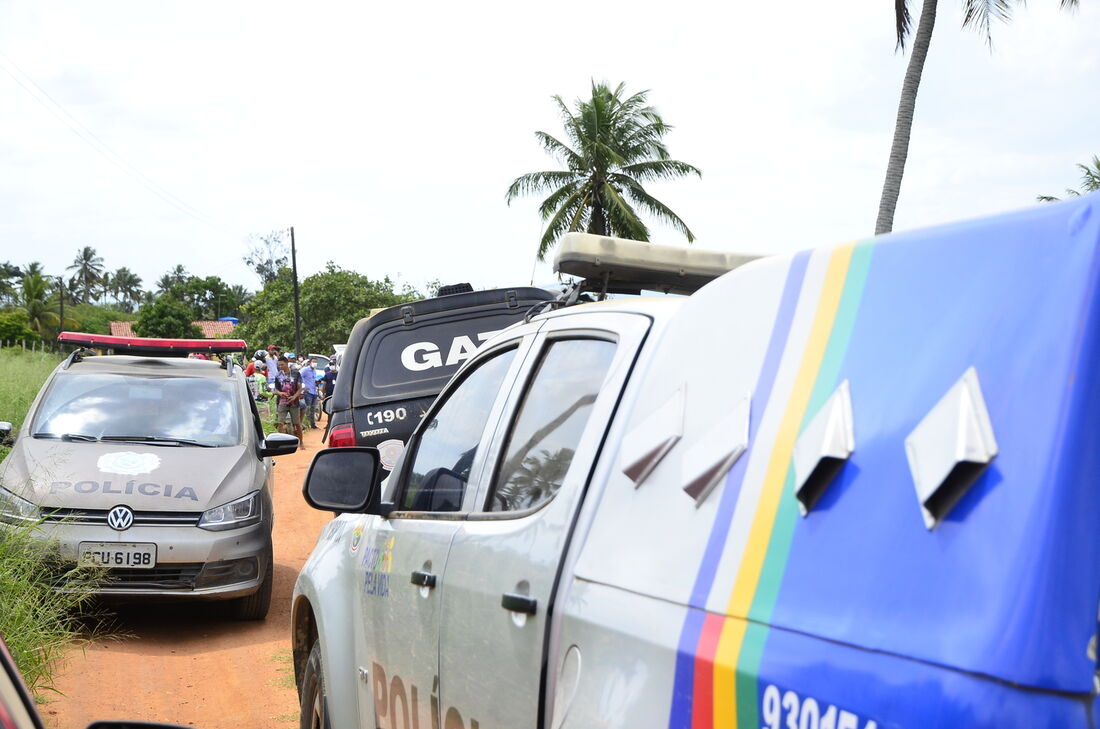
(504, 564)
(403, 556)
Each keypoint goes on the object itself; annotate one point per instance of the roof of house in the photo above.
(209, 329)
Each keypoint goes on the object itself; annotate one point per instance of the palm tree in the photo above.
(176, 276)
(32, 301)
(616, 146)
(978, 14)
(107, 284)
(1090, 181)
(127, 287)
(88, 268)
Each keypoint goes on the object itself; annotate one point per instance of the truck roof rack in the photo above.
(620, 266)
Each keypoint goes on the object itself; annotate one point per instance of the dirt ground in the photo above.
(189, 664)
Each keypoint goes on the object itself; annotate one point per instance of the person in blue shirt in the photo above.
(309, 382)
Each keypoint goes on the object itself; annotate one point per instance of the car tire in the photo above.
(313, 709)
(255, 606)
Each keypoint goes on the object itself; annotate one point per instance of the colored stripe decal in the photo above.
(760, 533)
(767, 590)
(775, 562)
(704, 699)
(683, 685)
(680, 715)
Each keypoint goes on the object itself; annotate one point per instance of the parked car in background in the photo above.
(154, 466)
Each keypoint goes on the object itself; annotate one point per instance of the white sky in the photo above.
(387, 133)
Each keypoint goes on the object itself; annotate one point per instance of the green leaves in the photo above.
(166, 317)
(331, 302)
(615, 144)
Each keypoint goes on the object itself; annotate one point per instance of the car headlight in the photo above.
(17, 510)
(242, 512)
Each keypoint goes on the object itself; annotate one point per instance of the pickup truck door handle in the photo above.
(518, 603)
(422, 578)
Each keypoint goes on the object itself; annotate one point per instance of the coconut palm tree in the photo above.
(88, 271)
(614, 145)
(1090, 181)
(33, 302)
(127, 287)
(174, 277)
(978, 14)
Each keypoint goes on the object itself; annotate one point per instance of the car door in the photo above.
(402, 557)
(503, 567)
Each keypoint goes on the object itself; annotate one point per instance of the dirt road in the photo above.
(190, 665)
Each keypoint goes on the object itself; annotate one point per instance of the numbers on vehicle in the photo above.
(785, 710)
(118, 559)
(388, 415)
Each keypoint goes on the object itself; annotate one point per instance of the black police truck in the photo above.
(399, 359)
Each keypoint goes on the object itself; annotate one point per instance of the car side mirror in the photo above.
(279, 444)
(342, 479)
(326, 405)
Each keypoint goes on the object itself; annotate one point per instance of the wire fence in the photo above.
(40, 345)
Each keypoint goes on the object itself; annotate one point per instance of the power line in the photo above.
(89, 137)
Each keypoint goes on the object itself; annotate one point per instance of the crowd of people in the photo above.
(296, 385)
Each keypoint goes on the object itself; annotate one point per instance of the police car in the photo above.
(153, 465)
(853, 487)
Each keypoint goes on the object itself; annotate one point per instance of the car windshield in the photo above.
(171, 410)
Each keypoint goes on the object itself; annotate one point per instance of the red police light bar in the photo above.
(151, 345)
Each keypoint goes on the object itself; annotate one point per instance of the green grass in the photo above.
(24, 373)
(286, 670)
(38, 622)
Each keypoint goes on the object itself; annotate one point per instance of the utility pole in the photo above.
(297, 311)
(61, 298)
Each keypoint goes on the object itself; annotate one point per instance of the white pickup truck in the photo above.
(849, 488)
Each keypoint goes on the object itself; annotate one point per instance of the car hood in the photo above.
(51, 473)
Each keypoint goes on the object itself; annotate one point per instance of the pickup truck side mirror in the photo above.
(341, 479)
(279, 444)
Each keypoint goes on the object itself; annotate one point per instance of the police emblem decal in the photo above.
(128, 463)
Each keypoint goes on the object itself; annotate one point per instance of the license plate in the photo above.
(119, 554)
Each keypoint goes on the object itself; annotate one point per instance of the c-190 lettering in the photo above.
(788, 711)
(379, 417)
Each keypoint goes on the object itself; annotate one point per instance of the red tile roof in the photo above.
(209, 329)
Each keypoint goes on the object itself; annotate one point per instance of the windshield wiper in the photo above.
(68, 437)
(156, 440)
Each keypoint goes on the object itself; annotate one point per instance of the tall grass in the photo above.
(43, 603)
(24, 373)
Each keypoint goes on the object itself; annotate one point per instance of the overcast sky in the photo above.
(387, 133)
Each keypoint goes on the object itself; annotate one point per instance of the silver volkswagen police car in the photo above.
(153, 465)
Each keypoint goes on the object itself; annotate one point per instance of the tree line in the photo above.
(89, 296)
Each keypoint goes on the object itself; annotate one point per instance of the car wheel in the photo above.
(314, 704)
(255, 606)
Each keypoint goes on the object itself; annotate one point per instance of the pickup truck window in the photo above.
(549, 423)
(445, 451)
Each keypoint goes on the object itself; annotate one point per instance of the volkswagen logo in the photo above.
(120, 518)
